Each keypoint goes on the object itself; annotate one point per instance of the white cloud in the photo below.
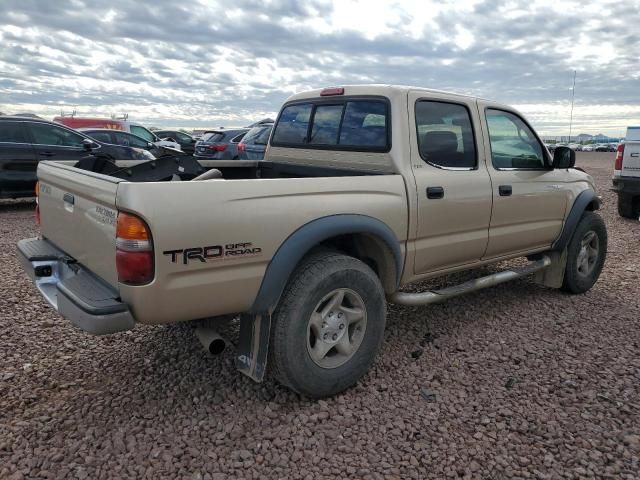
(211, 63)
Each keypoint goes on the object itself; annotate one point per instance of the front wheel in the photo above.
(328, 326)
(586, 254)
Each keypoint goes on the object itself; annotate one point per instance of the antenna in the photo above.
(573, 96)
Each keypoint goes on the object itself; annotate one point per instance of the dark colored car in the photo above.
(26, 141)
(220, 144)
(186, 141)
(254, 143)
(126, 139)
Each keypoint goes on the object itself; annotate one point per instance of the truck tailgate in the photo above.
(78, 215)
(631, 159)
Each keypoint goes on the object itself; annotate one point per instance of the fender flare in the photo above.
(304, 239)
(579, 206)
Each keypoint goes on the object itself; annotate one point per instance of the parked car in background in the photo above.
(626, 174)
(589, 148)
(254, 143)
(575, 147)
(186, 141)
(118, 137)
(220, 144)
(116, 124)
(25, 141)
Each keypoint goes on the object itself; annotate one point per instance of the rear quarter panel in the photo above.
(259, 213)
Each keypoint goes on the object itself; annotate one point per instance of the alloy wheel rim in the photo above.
(588, 254)
(336, 328)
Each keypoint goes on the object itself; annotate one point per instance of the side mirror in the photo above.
(564, 157)
(89, 145)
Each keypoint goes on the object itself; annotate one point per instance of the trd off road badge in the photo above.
(213, 252)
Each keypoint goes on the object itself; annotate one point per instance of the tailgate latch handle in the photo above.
(69, 198)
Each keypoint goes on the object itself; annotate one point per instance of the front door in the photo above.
(453, 185)
(529, 198)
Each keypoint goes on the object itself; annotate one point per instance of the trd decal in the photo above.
(213, 252)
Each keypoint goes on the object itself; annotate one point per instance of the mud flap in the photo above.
(253, 346)
(553, 275)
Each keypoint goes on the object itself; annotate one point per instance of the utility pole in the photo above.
(573, 96)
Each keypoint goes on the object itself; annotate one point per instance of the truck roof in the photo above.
(376, 89)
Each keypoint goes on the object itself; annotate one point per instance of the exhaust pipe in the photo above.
(211, 340)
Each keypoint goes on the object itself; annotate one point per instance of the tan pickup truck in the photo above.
(364, 189)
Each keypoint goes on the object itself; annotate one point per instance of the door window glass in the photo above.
(142, 132)
(46, 134)
(445, 135)
(12, 132)
(513, 144)
(101, 136)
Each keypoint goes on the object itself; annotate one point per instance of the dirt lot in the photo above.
(517, 381)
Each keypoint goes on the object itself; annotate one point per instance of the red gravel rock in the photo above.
(151, 404)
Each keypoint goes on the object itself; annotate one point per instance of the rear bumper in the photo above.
(624, 185)
(77, 294)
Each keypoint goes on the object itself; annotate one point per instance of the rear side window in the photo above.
(257, 136)
(101, 136)
(348, 125)
(212, 137)
(12, 132)
(445, 135)
(237, 138)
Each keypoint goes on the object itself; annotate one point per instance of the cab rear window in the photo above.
(343, 124)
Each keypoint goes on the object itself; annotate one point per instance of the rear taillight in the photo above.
(37, 192)
(619, 155)
(134, 250)
(242, 147)
(217, 148)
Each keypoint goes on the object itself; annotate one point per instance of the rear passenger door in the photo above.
(52, 142)
(529, 198)
(453, 184)
(18, 161)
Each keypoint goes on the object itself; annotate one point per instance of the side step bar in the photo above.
(435, 296)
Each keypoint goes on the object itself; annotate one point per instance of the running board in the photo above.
(435, 296)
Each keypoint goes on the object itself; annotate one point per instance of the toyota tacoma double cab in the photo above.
(363, 190)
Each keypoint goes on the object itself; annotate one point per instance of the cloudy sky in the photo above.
(209, 63)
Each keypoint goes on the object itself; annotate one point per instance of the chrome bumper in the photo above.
(77, 294)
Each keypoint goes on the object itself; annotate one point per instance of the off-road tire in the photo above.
(574, 282)
(628, 206)
(316, 276)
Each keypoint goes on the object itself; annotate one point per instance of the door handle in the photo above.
(435, 192)
(505, 190)
(47, 154)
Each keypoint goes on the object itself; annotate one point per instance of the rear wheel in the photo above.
(586, 254)
(328, 326)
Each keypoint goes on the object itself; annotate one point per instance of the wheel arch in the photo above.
(360, 236)
(587, 200)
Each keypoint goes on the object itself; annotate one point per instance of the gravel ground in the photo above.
(517, 381)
